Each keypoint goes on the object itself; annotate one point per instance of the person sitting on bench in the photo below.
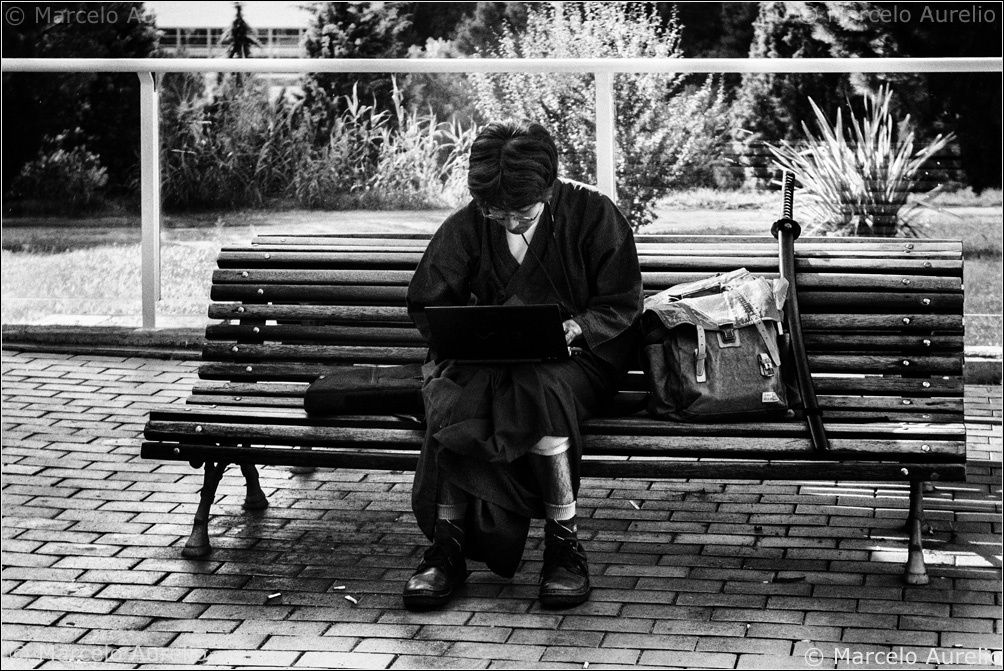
(502, 444)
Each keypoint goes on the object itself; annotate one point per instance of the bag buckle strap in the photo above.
(766, 365)
(701, 354)
(757, 321)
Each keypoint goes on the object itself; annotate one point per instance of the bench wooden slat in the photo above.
(916, 344)
(905, 386)
(903, 323)
(308, 372)
(861, 302)
(242, 259)
(389, 335)
(807, 470)
(656, 279)
(212, 423)
(896, 365)
(366, 295)
(872, 282)
(271, 372)
(666, 445)
(823, 363)
(312, 276)
(307, 352)
(890, 403)
(641, 238)
(858, 384)
(635, 467)
(251, 388)
(918, 321)
(408, 336)
(315, 313)
(831, 414)
(767, 264)
(762, 247)
(268, 402)
(861, 398)
(854, 286)
(847, 408)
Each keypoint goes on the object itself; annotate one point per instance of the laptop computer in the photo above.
(498, 333)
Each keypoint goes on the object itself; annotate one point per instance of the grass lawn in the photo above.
(92, 266)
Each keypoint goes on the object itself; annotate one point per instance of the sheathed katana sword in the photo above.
(787, 230)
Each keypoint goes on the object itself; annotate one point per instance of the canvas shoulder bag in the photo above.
(715, 350)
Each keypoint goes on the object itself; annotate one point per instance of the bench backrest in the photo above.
(882, 317)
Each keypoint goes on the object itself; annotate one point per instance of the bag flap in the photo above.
(716, 310)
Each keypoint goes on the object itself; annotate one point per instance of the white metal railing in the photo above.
(603, 70)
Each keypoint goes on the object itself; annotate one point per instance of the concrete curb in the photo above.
(167, 343)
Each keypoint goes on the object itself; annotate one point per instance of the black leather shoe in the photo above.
(564, 579)
(442, 571)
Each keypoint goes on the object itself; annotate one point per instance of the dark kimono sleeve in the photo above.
(443, 276)
(614, 277)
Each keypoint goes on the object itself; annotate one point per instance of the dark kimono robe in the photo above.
(483, 420)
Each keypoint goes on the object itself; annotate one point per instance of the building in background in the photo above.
(196, 29)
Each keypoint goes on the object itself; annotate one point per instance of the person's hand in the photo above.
(572, 330)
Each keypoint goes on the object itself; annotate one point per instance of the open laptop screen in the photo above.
(498, 333)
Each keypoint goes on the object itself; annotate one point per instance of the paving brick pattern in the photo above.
(698, 573)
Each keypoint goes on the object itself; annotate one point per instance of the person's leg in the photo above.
(443, 568)
(564, 578)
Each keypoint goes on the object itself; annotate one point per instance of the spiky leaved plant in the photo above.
(858, 182)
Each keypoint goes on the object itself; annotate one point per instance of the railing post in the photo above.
(606, 143)
(149, 127)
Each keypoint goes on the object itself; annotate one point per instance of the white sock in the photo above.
(455, 511)
(564, 511)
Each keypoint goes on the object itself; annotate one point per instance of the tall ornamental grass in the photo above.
(858, 180)
(669, 129)
(243, 149)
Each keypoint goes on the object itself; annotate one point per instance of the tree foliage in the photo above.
(95, 111)
(240, 37)
(772, 106)
(355, 30)
(966, 104)
(482, 32)
(666, 130)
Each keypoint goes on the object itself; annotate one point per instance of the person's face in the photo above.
(518, 221)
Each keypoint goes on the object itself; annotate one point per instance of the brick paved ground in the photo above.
(686, 573)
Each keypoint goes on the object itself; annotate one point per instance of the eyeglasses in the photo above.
(525, 216)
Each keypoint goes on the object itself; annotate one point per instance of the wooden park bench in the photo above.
(883, 332)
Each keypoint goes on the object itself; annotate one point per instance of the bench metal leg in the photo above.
(255, 498)
(198, 543)
(916, 571)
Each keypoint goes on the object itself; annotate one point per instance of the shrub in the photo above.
(62, 181)
(238, 148)
(667, 129)
(857, 182)
(421, 163)
(243, 149)
(336, 174)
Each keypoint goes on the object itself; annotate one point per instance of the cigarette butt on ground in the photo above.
(351, 598)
